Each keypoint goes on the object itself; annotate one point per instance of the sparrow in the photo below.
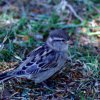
(44, 61)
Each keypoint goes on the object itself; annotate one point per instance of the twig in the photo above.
(1, 96)
(2, 44)
(94, 33)
(62, 7)
(73, 11)
(96, 9)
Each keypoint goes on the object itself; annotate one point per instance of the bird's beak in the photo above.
(69, 42)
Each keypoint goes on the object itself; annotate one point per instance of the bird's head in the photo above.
(58, 40)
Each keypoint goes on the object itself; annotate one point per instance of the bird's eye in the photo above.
(64, 41)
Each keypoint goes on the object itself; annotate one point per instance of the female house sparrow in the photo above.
(44, 61)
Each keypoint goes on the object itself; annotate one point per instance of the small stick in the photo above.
(73, 11)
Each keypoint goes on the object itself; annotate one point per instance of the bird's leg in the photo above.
(69, 60)
(47, 87)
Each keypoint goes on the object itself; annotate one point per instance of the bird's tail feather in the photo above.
(5, 76)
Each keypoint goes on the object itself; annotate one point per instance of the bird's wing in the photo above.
(40, 59)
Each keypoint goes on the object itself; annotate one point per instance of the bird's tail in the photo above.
(5, 76)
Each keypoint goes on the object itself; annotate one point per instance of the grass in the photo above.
(17, 38)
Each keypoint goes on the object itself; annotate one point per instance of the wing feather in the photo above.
(40, 59)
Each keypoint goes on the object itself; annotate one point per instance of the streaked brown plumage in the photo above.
(43, 61)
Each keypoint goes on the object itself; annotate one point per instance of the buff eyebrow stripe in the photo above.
(59, 39)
